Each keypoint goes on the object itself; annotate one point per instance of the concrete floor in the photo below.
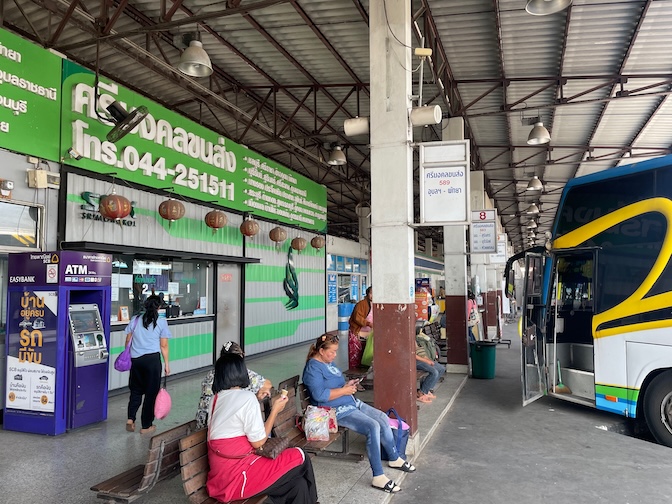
(476, 444)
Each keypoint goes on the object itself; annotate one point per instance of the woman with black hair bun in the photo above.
(148, 336)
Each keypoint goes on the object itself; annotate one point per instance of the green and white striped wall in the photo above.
(269, 323)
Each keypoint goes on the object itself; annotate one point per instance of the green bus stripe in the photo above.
(305, 302)
(619, 392)
(268, 332)
(268, 273)
(183, 348)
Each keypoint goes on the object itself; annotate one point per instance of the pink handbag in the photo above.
(163, 402)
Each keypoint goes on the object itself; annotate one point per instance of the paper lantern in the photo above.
(114, 207)
(317, 242)
(299, 243)
(249, 227)
(215, 219)
(278, 235)
(171, 210)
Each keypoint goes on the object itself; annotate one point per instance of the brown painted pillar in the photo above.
(394, 360)
(456, 330)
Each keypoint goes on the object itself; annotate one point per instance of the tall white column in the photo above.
(392, 238)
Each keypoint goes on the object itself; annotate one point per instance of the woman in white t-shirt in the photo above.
(149, 342)
(235, 430)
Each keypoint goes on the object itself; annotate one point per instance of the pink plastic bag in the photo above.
(163, 403)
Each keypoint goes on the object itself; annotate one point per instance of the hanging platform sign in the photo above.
(483, 232)
(444, 183)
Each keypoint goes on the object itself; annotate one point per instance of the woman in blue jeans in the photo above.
(327, 387)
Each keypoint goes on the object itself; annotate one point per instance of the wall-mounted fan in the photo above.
(124, 122)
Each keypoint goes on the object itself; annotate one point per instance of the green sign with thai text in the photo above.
(30, 97)
(169, 152)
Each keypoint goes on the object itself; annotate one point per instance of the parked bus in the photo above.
(597, 312)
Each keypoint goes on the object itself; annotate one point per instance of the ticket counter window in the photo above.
(183, 286)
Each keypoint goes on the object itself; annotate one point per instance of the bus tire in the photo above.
(658, 408)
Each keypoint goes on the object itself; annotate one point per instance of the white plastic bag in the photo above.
(316, 423)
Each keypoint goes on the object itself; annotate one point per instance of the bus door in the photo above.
(533, 329)
(570, 345)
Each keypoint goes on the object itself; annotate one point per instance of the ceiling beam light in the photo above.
(535, 184)
(194, 61)
(531, 225)
(546, 7)
(424, 116)
(539, 135)
(356, 126)
(337, 156)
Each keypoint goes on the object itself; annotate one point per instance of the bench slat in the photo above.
(162, 463)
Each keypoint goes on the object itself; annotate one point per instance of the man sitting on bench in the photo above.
(426, 356)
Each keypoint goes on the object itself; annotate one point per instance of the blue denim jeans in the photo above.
(435, 372)
(375, 425)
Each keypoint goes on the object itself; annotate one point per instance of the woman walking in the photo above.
(148, 336)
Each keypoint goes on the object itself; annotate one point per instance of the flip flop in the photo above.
(424, 399)
(390, 487)
(148, 430)
(130, 427)
(406, 467)
(430, 395)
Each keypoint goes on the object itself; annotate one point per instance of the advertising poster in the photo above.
(332, 289)
(32, 350)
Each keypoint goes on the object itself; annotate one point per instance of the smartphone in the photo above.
(360, 379)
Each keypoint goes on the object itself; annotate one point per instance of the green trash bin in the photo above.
(483, 359)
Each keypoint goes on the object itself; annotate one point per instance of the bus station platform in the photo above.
(476, 445)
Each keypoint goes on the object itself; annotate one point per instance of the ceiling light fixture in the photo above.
(337, 156)
(535, 184)
(194, 61)
(539, 134)
(356, 126)
(533, 209)
(531, 225)
(424, 116)
(546, 7)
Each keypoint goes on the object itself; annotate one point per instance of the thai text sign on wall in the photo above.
(168, 150)
(30, 97)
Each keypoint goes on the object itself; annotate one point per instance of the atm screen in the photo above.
(84, 321)
(89, 340)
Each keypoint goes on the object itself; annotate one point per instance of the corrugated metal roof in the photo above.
(597, 74)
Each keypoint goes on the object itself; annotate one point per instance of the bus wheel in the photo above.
(658, 408)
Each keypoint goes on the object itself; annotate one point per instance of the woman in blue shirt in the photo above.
(327, 387)
(149, 342)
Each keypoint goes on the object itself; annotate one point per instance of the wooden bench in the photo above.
(162, 463)
(286, 425)
(194, 467)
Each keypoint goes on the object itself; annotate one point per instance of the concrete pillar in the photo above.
(392, 238)
(428, 246)
(455, 263)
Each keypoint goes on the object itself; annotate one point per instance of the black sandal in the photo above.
(390, 487)
(406, 467)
